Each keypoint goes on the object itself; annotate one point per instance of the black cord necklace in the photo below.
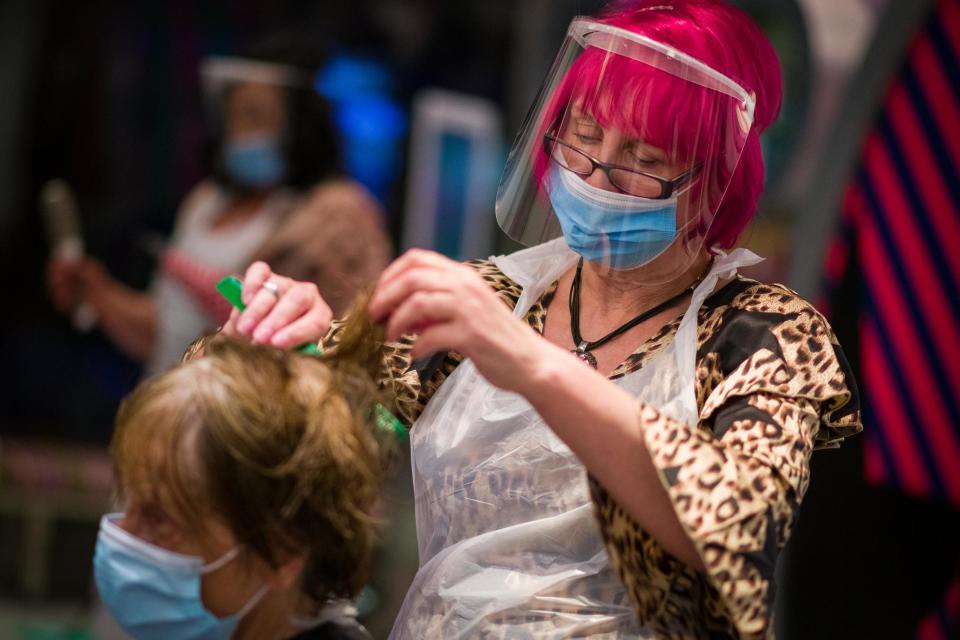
(584, 347)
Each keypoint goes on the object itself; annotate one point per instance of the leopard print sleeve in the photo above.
(736, 496)
(403, 376)
(772, 387)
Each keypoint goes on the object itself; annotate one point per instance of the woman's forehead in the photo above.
(592, 113)
(257, 92)
(580, 117)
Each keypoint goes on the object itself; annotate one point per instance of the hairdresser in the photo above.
(615, 437)
(276, 193)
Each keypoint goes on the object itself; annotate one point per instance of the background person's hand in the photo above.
(295, 316)
(64, 283)
(73, 281)
(94, 274)
(451, 308)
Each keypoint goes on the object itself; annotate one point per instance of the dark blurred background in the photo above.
(106, 96)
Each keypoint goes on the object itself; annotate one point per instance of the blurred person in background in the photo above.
(276, 193)
(612, 429)
(248, 478)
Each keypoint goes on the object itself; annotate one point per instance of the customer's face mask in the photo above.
(615, 229)
(255, 162)
(154, 593)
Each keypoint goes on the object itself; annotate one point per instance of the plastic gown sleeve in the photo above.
(736, 481)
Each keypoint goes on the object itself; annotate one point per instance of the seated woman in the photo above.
(248, 477)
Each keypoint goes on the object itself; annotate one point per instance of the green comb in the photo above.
(389, 422)
(232, 289)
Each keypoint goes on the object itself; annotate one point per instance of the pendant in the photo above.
(587, 357)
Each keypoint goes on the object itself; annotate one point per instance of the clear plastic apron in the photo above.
(509, 545)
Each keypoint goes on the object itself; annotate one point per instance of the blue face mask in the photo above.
(255, 163)
(154, 593)
(614, 229)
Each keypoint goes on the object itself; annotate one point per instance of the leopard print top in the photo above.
(772, 386)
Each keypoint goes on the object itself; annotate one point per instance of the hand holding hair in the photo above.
(450, 307)
(290, 315)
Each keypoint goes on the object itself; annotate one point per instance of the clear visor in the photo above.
(627, 152)
(219, 73)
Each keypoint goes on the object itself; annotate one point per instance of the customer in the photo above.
(248, 478)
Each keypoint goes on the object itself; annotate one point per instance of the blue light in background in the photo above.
(371, 122)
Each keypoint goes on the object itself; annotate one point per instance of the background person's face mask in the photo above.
(153, 593)
(615, 229)
(256, 162)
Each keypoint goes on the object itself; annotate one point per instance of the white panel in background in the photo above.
(456, 157)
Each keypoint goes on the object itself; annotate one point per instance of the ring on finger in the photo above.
(272, 287)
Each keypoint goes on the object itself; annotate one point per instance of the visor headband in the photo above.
(590, 33)
(226, 69)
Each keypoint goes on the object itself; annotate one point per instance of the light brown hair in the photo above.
(282, 447)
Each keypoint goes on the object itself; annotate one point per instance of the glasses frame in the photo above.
(668, 186)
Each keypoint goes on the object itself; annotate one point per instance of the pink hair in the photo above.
(716, 33)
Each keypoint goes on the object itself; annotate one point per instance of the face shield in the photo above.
(219, 73)
(627, 152)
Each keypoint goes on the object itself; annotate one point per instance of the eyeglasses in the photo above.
(630, 181)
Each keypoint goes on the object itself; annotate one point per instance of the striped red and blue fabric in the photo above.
(943, 623)
(901, 211)
(901, 218)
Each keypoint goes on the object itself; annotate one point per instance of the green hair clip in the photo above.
(231, 288)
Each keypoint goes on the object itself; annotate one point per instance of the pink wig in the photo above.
(685, 115)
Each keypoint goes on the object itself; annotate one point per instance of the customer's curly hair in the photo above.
(281, 447)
